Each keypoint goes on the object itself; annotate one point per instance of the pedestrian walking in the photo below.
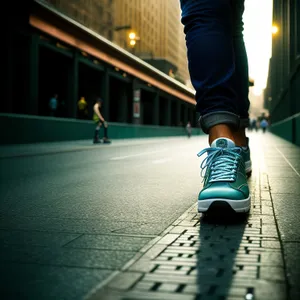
(53, 103)
(219, 73)
(188, 129)
(264, 125)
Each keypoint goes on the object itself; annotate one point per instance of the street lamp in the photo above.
(132, 43)
(132, 36)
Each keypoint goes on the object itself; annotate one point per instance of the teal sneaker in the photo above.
(225, 180)
(247, 159)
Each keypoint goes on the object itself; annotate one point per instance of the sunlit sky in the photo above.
(258, 40)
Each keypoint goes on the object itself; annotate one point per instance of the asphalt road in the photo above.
(73, 215)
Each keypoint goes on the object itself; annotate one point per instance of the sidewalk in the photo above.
(254, 258)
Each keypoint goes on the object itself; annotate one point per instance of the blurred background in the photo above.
(132, 54)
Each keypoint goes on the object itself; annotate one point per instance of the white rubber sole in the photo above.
(239, 206)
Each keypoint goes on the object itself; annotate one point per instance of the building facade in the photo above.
(156, 23)
(283, 90)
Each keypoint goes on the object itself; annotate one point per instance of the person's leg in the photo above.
(209, 35)
(96, 134)
(105, 136)
(241, 74)
(105, 130)
(208, 29)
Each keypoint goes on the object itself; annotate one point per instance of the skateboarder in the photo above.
(99, 121)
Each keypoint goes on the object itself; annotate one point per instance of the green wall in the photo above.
(288, 129)
(20, 129)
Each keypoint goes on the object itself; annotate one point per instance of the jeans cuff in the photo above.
(244, 122)
(220, 117)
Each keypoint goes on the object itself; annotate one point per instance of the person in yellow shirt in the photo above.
(82, 108)
(99, 121)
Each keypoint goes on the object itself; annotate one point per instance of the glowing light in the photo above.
(132, 42)
(274, 29)
(132, 35)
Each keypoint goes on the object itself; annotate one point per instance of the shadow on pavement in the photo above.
(220, 238)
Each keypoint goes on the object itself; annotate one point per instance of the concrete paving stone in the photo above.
(50, 239)
(154, 251)
(287, 207)
(168, 239)
(188, 223)
(285, 186)
(183, 250)
(263, 289)
(232, 291)
(265, 195)
(109, 242)
(138, 295)
(272, 273)
(269, 229)
(271, 244)
(279, 173)
(272, 258)
(125, 280)
(275, 162)
(266, 203)
(290, 155)
(269, 290)
(267, 209)
(144, 285)
(142, 265)
(36, 282)
(87, 258)
(191, 289)
(175, 272)
(267, 219)
(166, 268)
(142, 228)
(178, 230)
(168, 287)
(170, 278)
(292, 259)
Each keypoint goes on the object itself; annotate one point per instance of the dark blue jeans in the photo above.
(217, 60)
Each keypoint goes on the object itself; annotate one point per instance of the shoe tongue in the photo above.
(223, 143)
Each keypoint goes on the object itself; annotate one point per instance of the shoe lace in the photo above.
(222, 163)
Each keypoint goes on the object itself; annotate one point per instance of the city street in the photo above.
(76, 217)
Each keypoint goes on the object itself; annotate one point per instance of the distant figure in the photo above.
(99, 120)
(253, 125)
(263, 125)
(188, 128)
(53, 105)
(82, 108)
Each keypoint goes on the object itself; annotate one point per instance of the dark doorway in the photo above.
(89, 87)
(163, 112)
(19, 80)
(120, 105)
(174, 121)
(53, 79)
(147, 107)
